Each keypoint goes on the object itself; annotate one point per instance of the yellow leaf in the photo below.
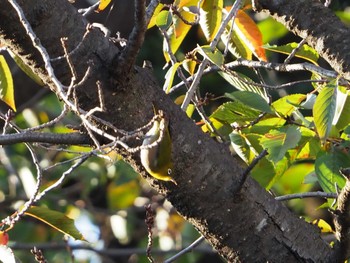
(211, 16)
(103, 4)
(6, 84)
(323, 225)
(153, 20)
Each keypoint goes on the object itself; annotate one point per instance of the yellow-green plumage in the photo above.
(157, 159)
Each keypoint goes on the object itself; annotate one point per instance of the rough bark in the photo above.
(245, 226)
(322, 29)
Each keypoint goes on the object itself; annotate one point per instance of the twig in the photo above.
(150, 223)
(272, 66)
(295, 50)
(186, 250)
(89, 10)
(54, 246)
(38, 254)
(190, 93)
(307, 195)
(246, 172)
(64, 175)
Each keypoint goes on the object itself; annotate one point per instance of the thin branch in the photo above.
(246, 172)
(73, 138)
(295, 50)
(271, 66)
(307, 195)
(198, 76)
(64, 175)
(105, 252)
(186, 250)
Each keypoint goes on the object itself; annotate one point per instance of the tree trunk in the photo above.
(243, 226)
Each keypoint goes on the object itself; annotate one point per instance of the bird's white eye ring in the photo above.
(170, 171)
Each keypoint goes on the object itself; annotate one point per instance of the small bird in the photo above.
(156, 159)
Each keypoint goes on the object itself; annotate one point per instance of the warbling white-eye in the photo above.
(156, 159)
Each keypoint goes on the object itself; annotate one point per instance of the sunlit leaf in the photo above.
(278, 142)
(305, 52)
(169, 77)
(215, 56)
(153, 19)
(265, 125)
(323, 225)
(266, 173)
(190, 66)
(242, 82)
(176, 34)
(235, 45)
(342, 112)
(286, 106)
(6, 84)
(327, 168)
(248, 31)
(231, 112)
(103, 4)
(210, 17)
(324, 111)
(56, 220)
(251, 99)
(242, 145)
(164, 20)
(222, 127)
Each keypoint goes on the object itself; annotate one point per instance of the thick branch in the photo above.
(250, 226)
(322, 29)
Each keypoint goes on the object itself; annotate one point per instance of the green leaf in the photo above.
(286, 106)
(215, 56)
(265, 125)
(242, 82)
(164, 20)
(278, 142)
(6, 84)
(327, 166)
(250, 99)
(246, 146)
(306, 52)
(26, 69)
(324, 111)
(235, 44)
(210, 17)
(231, 112)
(266, 173)
(153, 19)
(271, 30)
(56, 220)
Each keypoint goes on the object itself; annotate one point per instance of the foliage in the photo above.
(306, 134)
